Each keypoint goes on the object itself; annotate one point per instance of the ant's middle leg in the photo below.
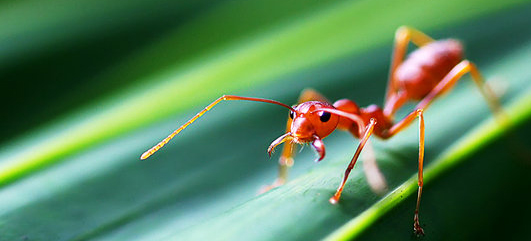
(373, 175)
(444, 85)
(399, 127)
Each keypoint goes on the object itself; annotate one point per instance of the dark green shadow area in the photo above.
(484, 198)
(47, 84)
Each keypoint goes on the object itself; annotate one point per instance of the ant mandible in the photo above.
(426, 73)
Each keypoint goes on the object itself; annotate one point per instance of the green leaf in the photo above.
(79, 177)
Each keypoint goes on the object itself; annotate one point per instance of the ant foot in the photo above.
(266, 188)
(334, 199)
(417, 229)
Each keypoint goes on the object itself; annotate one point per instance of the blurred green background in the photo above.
(90, 85)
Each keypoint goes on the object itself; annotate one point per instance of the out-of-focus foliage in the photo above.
(90, 85)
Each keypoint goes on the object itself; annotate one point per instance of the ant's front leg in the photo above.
(368, 132)
(286, 158)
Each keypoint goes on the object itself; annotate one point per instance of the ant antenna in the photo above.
(224, 97)
(352, 117)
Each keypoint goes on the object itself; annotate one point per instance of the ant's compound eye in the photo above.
(292, 115)
(324, 116)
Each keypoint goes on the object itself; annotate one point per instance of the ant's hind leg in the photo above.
(451, 79)
(403, 36)
(286, 158)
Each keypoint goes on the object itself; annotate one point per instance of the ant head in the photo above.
(309, 124)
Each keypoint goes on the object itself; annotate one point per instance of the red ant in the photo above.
(429, 71)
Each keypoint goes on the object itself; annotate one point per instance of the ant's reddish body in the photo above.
(425, 74)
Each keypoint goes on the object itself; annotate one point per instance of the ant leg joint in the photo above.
(286, 161)
(402, 32)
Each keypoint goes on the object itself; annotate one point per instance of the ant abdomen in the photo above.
(422, 70)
